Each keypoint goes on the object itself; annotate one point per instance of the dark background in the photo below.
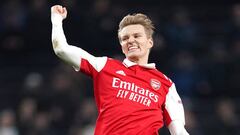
(196, 44)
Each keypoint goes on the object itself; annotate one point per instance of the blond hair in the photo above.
(138, 18)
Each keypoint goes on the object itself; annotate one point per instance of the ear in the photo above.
(150, 41)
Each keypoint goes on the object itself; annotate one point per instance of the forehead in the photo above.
(132, 29)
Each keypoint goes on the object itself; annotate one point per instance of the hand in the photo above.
(58, 9)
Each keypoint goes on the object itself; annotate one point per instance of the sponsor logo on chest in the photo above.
(133, 92)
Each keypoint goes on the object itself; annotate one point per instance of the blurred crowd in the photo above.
(196, 45)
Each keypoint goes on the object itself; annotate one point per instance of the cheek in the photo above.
(146, 45)
(124, 48)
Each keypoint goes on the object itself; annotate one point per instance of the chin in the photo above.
(133, 57)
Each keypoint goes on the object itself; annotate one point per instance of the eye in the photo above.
(124, 38)
(137, 36)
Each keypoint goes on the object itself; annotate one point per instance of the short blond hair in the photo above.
(138, 18)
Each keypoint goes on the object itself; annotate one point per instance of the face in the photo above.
(135, 43)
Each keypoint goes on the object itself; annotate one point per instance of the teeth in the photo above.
(133, 47)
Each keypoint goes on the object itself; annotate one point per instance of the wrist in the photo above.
(56, 19)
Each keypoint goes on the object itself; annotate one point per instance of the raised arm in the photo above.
(68, 53)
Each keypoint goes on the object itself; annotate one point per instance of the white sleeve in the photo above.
(174, 106)
(175, 110)
(68, 53)
(177, 128)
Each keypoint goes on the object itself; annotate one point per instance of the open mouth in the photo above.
(133, 48)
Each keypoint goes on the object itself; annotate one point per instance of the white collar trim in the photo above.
(129, 63)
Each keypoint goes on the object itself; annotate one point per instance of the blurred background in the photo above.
(196, 44)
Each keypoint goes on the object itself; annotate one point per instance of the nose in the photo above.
(131, 39)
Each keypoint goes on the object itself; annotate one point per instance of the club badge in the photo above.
(155, 84)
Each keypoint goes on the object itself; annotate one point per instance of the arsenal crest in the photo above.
(155, 84)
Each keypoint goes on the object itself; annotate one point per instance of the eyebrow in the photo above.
(136, 33)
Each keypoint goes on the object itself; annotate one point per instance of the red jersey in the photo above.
(131, 99)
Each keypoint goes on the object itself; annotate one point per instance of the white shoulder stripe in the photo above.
(98, 63)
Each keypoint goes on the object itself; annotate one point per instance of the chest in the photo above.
(133, 85)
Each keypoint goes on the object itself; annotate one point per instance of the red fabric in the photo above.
(126, 99)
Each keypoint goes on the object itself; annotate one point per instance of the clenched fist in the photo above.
(58, 9)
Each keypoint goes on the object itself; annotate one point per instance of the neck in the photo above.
(139, 61)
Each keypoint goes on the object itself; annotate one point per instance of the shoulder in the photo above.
(163, 78)
(113, 62)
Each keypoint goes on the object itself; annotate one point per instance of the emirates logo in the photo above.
(155, 84)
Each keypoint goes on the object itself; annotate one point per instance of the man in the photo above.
(132, 97)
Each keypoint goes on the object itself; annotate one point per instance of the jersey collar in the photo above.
(129, 63)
